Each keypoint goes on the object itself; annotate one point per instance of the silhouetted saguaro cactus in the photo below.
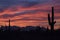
(9, 25)
(51, 21)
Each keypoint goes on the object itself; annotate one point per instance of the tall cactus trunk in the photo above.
(9, 25)
(52, 24)
(51, 21)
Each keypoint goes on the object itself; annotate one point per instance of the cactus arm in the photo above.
(49, 19)
(54, 22)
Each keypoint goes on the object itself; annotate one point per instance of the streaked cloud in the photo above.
(28, 12)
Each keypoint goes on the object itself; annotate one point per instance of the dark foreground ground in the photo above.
(29, 35)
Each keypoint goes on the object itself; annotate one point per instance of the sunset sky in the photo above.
(28, 12)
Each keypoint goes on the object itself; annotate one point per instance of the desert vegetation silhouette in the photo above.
(51, 20)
